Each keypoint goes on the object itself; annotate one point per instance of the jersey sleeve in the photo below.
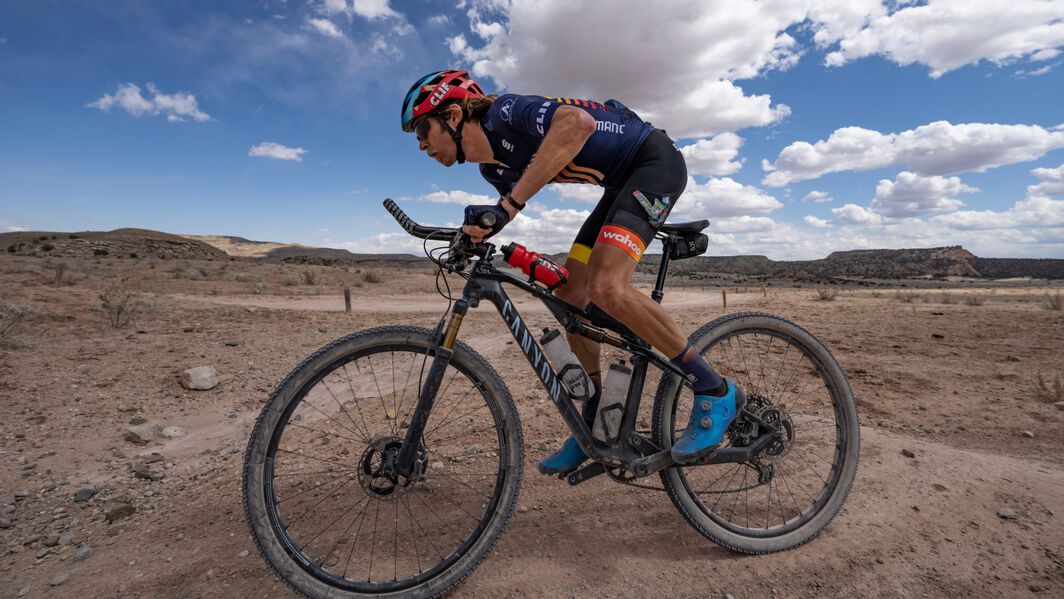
(528, 115)
(503, 180)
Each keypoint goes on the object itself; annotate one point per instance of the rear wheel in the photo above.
(320, 499)
(795, 390)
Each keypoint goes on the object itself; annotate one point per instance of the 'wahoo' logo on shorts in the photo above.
(623, 238)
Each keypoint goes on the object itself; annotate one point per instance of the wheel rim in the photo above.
(328, 499)
(789, 386)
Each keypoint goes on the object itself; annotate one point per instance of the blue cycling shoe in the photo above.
(565, 460)
(709, 419)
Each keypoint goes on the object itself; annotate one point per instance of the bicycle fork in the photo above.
(405, 462)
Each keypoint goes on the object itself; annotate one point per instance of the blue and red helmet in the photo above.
(432, 90)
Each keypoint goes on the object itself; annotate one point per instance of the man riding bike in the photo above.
(525, 142)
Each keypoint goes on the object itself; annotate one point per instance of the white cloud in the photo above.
(15, 228)
(439, 20)
(817, 197)
(176, 106)
(276, 151)
(1031, 212)
(852, 214)
(715, 156)
(692, 93)
(948, 34)
(550, 231)
(1052, 182)
(938, 148)
(816, 223)
(722, 198)
(326, 27)
(913, 195)
(367, 9)
(456, 197)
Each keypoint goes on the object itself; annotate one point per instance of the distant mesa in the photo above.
(926, 263)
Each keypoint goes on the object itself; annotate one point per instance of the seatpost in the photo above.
(666, 249)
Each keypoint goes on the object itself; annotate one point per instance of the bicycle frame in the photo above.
(632, 451)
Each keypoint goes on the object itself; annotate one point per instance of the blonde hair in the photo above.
(473, 109)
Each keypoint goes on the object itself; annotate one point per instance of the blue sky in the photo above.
(809, 125)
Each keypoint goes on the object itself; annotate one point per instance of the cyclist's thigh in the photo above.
(646, 198)
(575, 291)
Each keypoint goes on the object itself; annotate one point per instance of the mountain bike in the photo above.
(388, 463)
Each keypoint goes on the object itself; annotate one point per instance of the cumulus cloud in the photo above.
(276, 151)
(938, 148)
(367, 9)
(15, 228)
(520, 44)
(550, 231)
(456, 197)
(948, 34)
(852, 214)
(575, 192)
(325, 27)
(817, 197)
(720, 198)
(1030, 212)
(1052, 182)
(177, 106)
(913, 195)
(714, 156)
(816, 223)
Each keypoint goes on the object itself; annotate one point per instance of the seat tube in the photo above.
(444, 351)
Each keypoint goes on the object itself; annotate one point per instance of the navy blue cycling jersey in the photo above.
(515, 126)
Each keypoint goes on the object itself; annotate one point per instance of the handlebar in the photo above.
(415, 229)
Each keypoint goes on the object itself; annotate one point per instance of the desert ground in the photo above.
(960, 490)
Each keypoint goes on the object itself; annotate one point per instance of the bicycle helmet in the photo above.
(432, 90)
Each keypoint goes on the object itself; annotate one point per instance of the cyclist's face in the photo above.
(434, 141)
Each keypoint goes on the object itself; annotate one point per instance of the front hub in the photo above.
(377, 468)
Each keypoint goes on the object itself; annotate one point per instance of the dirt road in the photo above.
(978, 510)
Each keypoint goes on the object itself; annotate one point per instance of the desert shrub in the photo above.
(258, 288)
(178, 272)
(371, 276)
(905, 296)
(1054, 302)
(203, 272)
(72, 236)
(99, 252)
(877, 294)
(120, 304)
(133, 255)
(11, 249)
(947, 298)
(60, 270)
(826, 294)
(974, 300)
(47, 247)
(310, 277)
(289, 282)
(1049, 392)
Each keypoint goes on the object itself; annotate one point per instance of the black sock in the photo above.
(590, 407)
(704, 380)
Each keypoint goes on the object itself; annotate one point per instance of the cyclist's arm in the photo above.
(569, 130)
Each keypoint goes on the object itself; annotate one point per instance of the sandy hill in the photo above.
(120, 243)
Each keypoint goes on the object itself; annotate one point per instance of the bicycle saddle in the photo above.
(691, 227)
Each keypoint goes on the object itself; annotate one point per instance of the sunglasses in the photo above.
(421, 130)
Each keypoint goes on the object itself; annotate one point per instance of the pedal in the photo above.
(590, 471)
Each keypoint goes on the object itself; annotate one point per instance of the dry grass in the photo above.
(310, 277)
(120, 304)
(1049, 392)
(974, 300)
(371, 276)
(906, 296)
(1054, 302)
(826, 294)
(947, 298)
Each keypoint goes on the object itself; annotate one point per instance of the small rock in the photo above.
(938, 487)
(1059, 405)
(173, 432)
(143, 433)
(937, 336)
(65, 539)
(200, 378)
(51, 540)
(141, 470)
(59, 579)
(5, 523)
(232, 343)
(119, 511)
(243, 553)
(23, 592)
(1028, 435)
(729, 596)
(1006, 513)
(85, 494)
(43, 552)
(1034, 588)
(7, 509)
(83, 553)
(908, 453)
(523, 509)
(137, 421)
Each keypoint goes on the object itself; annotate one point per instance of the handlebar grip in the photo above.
(400, 216)
(486, 220)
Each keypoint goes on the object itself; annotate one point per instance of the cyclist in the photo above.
(525, 142)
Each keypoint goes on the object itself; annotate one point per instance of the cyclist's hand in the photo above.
(481, 222)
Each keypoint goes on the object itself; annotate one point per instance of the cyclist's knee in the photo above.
(606, 291)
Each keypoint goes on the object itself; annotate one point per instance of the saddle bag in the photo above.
(689, 245)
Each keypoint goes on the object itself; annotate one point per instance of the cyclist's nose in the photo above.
(422, 144)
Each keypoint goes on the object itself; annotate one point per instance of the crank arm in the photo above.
(590, 471)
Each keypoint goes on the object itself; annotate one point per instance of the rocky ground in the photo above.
(117, 480)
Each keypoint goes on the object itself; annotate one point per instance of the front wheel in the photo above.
(795, 392)
(324, 504)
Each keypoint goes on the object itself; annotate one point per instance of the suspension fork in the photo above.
(405, 463)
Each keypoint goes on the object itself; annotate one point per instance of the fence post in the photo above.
(724, 296)
(764, 291)
(347, 300)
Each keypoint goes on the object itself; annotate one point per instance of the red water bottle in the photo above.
(535, 266)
